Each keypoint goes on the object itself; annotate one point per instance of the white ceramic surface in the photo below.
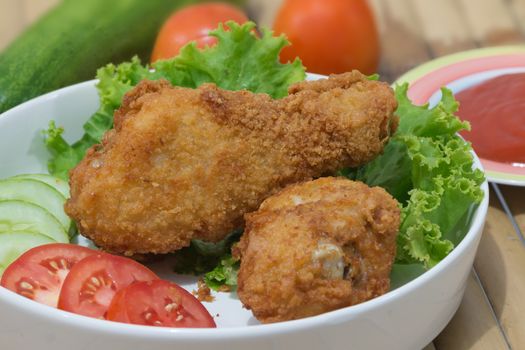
(406, 318)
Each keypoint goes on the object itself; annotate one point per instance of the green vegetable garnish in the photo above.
(201, 257)
(428, 168)
(224, 274)
(240, 60)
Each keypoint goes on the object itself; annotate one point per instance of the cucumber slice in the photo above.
(13, 244)
(38, 193)
(16, 215)
(58, 184)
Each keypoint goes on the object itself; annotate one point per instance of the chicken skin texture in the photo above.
(317, 246)
(186, 164)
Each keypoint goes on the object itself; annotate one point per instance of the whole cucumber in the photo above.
(75, 38)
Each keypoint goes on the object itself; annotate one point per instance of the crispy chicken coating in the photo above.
(189, 163)
(317, 246)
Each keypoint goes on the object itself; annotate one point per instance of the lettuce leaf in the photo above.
(63, 155)
(201, 257)
(224, 275)
(425, 122)
(430, 172)
(240, 60)
(397, 180)
(404, 273)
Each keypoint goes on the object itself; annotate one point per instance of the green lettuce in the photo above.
(240, 60)
(201, 257)
(114, 82)
(224, 274)
(430, 172)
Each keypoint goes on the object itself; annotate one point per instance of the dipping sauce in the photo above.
(496, 112)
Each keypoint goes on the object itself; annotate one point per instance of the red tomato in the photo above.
(92, 283)
(117, 309)
(39, 273)
(193, 23)
(330, 36)
(159, 303)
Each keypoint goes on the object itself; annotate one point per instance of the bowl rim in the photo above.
(239, 332)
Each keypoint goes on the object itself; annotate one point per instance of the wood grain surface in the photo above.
(492, 314)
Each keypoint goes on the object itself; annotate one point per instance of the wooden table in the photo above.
(492, 314)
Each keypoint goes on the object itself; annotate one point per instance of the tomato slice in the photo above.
(117, 309)
(159, 303)
(93, 282)
(39, 273)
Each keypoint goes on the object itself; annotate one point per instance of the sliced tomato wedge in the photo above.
(92, 283)
(159, 303)
(39, 273)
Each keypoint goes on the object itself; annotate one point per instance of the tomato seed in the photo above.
(26, 285)
(54, 265)
(171, 306)
(64, 264)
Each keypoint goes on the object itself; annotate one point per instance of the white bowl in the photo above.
(406, 318)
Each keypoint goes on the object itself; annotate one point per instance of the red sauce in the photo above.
(496, 112)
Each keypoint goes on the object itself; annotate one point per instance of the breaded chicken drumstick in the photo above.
(316, 247)
(189, 163)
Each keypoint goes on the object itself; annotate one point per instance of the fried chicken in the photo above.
(189, 163)
(317, 246)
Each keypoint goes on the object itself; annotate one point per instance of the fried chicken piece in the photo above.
(189, 163)
(317, 246)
